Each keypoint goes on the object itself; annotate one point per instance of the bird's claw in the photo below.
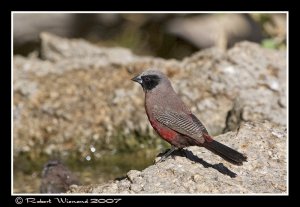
(166, 155)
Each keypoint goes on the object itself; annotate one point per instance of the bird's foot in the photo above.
(166, 155)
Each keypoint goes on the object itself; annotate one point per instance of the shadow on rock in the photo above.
(188, 154)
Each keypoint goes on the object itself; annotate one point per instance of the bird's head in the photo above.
(151, 79)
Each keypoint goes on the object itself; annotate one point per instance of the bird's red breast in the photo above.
(164, 132)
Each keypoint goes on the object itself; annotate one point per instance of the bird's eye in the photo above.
(147, 78)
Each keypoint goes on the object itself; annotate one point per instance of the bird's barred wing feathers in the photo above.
(181, 122)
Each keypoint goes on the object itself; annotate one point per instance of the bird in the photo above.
(173, 120)
(56, 178)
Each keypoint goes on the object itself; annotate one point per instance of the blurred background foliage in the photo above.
(166, 35)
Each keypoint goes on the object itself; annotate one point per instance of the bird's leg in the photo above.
(167, 154)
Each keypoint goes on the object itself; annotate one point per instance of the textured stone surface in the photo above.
(72, 94)
(201, 172)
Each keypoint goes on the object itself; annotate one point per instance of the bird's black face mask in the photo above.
(148, 82)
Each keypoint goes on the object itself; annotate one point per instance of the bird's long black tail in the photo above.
(225, 152)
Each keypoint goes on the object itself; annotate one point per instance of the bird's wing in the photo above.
(183, 123)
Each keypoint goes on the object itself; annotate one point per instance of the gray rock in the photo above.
(28, 26)
(202, 172)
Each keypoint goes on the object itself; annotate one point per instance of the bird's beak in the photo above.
(137, 79)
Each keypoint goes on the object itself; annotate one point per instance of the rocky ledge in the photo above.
(72, 93)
